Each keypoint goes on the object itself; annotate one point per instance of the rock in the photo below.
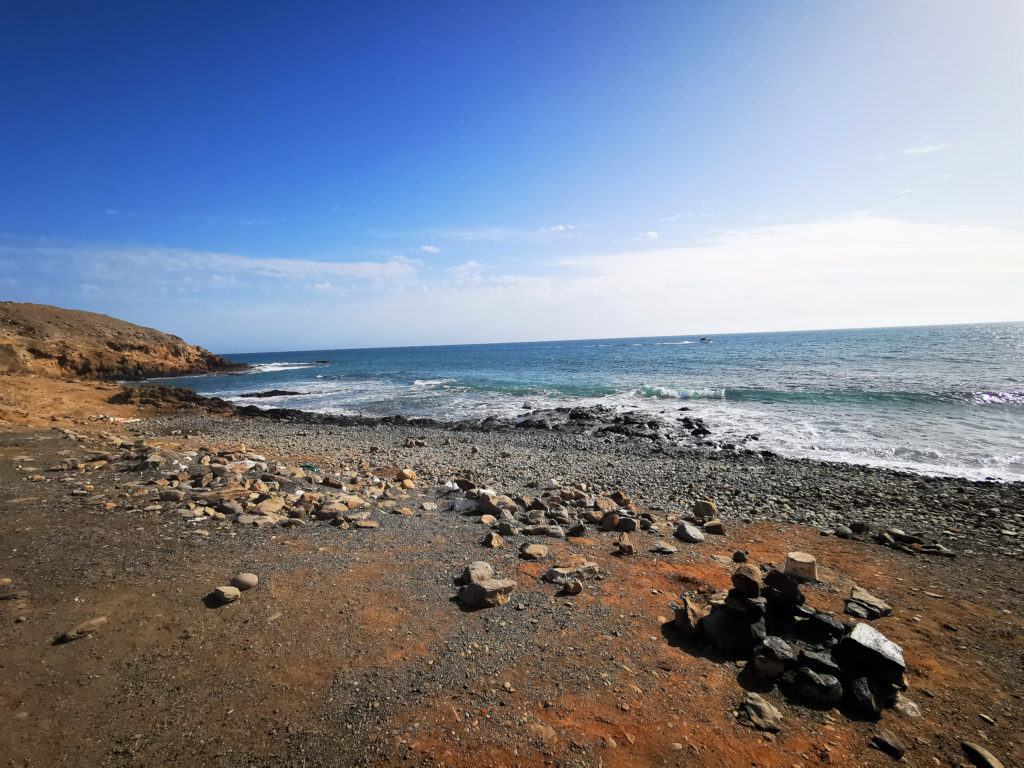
(732, 632)
(406, 474)
(604, 504)
(171, 494)
(271, 506)
(864, 605)
(739, 556)
(689, 533)
(979, 756)
(506, 528)
(801, 566)
(245, 519)
(843, 532)
(687, 616)
(245, 580)
(664, 548)
(82, 630)
(564, 573)
(888, 742)
(488, 520)
(627, 524)
(705, 510)
(574, 587)
(715, 527)
(609, 521)
(464, 506)
(230, 508)
(624, 546)
(782, 591)
(226, 595)
(773, 657)
(820, 688)
(487, 593)
(866, 651)
(859, 526)
(493, 540)
(478, 570)
(818, 661)
(747, 580)
(756, 712)
(861, 694)
(577, 531)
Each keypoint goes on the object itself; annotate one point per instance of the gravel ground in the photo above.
(353, 650)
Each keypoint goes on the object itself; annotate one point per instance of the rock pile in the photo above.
(814, 656)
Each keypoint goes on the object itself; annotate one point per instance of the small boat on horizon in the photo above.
(706, 340)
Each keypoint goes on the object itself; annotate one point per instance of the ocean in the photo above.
(936, 400)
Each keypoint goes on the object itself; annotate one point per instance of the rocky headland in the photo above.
(56, 342)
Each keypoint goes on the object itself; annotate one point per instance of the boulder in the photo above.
(979, 756)
(689, 533)
(565, 572)
(687, 616)
(755, 712)
(487, 593)
(888, 742)
(245, 581)
(624, 546)
(533, 551)
(801, 566)
(746, 579)
(715, 527)
(773, 657)
(866, 651)
(705, 510)
(816, 687)
(476, 571)
(863, 605)
(493, 540)
(226, 595)
(733, 633)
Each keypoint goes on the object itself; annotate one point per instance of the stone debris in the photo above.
(862, 604)
(244, 581)
(889, 743)
(82, 630)
(487, 593)
(689, 533)
(533, 551)
(755, 712)
(801, 566)
(476, 571)
(225, 595)
(979, 756)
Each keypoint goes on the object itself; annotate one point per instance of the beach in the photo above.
(355, 649)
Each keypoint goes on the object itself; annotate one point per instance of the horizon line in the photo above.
(615, 338)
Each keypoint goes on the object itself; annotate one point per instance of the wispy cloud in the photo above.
(430, 248)
(493, 234)
(646, 237)
(923, 149)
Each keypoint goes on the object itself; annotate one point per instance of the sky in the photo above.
(260, 176)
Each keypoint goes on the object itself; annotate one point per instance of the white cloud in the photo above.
(430, 248)
(923, 149)
(646, 237)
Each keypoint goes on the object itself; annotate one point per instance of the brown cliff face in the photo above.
(36, 338)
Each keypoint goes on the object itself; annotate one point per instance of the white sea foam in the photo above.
(431, 382)
(275, 367)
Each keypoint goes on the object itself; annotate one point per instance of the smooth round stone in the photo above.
(227, 594)
(245, 580)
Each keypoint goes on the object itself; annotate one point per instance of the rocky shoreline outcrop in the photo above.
(56, 342)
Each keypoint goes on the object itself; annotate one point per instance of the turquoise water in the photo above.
(935, 400)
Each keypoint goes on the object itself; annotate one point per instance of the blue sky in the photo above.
(256, 175)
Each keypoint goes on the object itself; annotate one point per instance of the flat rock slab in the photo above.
(689, 533)
(487, 594)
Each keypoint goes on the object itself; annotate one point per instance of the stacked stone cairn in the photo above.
(815, 658)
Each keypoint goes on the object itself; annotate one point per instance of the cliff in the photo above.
(56, 342)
